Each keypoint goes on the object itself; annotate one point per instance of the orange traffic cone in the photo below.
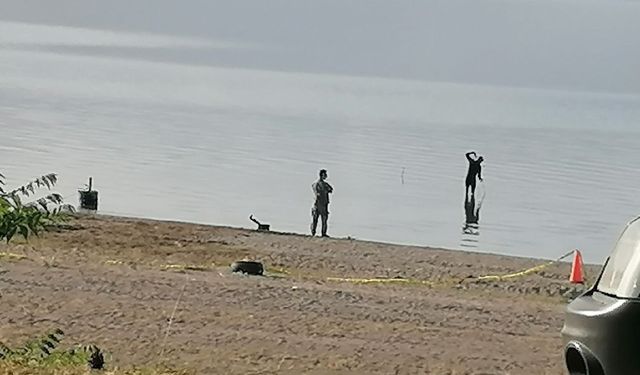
(577, 274)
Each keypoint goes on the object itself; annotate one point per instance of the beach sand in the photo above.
(114, 282)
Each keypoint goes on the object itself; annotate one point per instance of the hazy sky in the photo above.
(590, 45)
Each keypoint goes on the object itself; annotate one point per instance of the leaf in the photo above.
(54, 198)
(49, 344)
(4, 351)
(24, 231)
(70, 208)
(57, 335)
(10, 233)
(30, 217)
(43, 203)
(49, 180)
(17, 203)
(34, 222)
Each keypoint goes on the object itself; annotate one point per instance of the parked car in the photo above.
(601, 331)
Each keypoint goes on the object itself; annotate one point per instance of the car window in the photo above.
(622, 273)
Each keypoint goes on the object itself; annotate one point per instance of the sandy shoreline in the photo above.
(106, 282)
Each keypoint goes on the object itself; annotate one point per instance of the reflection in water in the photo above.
(470, 230)
(216, 141)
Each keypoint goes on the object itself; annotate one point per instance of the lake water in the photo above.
(211, 144)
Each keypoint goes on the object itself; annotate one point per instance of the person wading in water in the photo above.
(321, 189)
(475, 169)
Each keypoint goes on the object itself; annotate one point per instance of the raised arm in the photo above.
(468, 155)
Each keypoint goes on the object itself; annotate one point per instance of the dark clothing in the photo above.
(321, 189)
(315, 214)
(475, 169)
(471, 181)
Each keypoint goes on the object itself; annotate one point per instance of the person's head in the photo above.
(323, 174)
(480, 159)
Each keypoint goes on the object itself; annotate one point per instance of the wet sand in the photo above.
(115, 282)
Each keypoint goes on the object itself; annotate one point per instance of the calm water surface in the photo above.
(213, 145)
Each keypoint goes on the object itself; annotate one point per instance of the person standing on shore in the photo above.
(321, 190)
(475, 169)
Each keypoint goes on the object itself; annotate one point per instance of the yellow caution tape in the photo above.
(281, 271)
(514, 275)
(274, 273)
(449, 281)
(524, 272)
(184, 267)
(113, 261)
(382, 281)
(4, 254)
(165, 267)
(405, 281)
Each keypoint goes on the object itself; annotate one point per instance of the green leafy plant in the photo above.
(43, 352)
(26, 218)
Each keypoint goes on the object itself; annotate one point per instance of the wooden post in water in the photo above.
(89, 198)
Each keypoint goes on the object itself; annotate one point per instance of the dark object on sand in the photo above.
(96, 359)
(89, 198)
(600, 331)
(248, 267)
(264, 227)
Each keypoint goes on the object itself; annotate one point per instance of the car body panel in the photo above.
(605, 327)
